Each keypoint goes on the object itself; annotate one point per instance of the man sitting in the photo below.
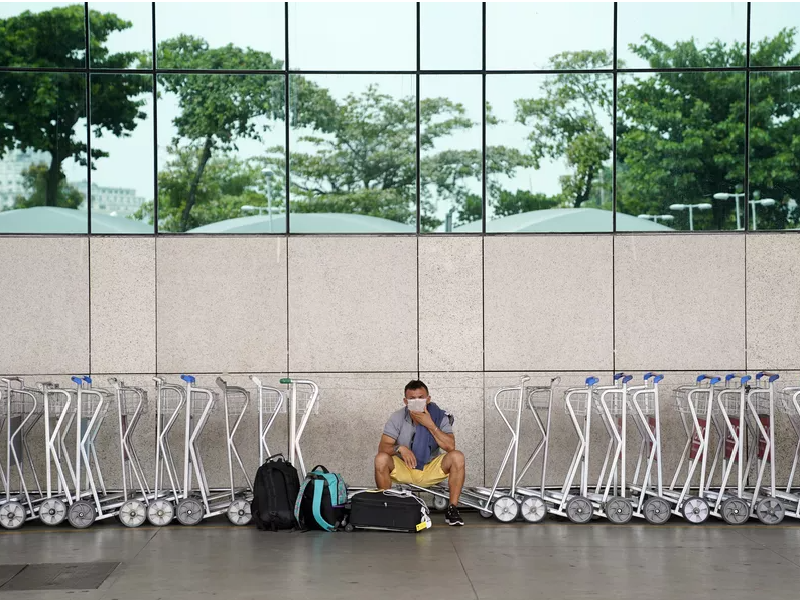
(409, 449)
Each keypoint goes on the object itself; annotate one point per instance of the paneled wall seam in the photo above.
(155, 288)
(483, 327)
(744, 291)
(89, 304)
(418, 328)
(288, 317)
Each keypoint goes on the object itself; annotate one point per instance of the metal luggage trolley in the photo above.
(167, 490)
(91, 409)
(235, 401)
(199, 404)
(694, 403)
(647, 492)
(575, 501)
(271, 401)
(536, 503)
(303, 401)
(572, 501)
(29, 405)
(790, 405)
(21, 408)
(136, 494)
(764, 500)
(502, 503)
(506, 504)
(198, 503)
(58, 414)
(728, 502)
(611, 491)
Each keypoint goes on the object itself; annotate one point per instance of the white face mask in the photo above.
(417, 404)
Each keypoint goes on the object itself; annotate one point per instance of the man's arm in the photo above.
(390, 447)
(446, 441)
(387, 444)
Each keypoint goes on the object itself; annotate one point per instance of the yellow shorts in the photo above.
(431, 473)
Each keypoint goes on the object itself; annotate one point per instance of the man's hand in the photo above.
(423, 418)
(408, 457)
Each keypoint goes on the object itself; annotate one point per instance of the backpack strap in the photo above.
(317, 502)
(297, 516)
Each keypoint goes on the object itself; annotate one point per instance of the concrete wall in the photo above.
(363, 315)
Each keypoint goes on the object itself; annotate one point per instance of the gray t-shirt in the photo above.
(401, 428)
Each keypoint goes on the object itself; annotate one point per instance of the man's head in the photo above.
(415, 389)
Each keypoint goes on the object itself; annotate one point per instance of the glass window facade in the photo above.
(398, 118)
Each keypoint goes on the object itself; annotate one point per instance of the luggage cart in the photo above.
(200, 402)
(303, 401)
(199, 502)
(235, 401)
(27, 406)
(611, 491)
(91, 409)
(647, 492)
(694, 403)
(573, 499)
(20, 407)
(764, 500)
(728, 413)
(506, 504)
(5, 424)
(502, 503)
(535, 506)
(271, 401)
(790, 405)
(167, 490)
(58, 413)
(136, 494)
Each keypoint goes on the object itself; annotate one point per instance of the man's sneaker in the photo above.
(452, 517)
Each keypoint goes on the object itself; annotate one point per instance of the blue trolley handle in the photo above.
(772, 377)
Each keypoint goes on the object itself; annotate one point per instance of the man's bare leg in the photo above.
(384, 465)
(453, 465)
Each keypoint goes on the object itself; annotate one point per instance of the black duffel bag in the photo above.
(388, 510)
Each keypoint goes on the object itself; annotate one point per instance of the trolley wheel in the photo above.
(12, 515)
(440, 503)
(52, 512)
(81, 515)
(579, 510)
(349, 528)
(160, 513)
(770, 511)
(133, 513)
(239, 512)
(735, 511)
(695, 510)
(505, 509)
(486, 514)
(619, 510)
(656, 510)
(533, 509)
(190, 512)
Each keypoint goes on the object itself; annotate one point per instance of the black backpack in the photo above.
(274, 493)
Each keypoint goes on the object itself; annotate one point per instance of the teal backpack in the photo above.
(321, 501)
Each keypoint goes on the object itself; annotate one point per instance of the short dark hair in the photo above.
(416, 384)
